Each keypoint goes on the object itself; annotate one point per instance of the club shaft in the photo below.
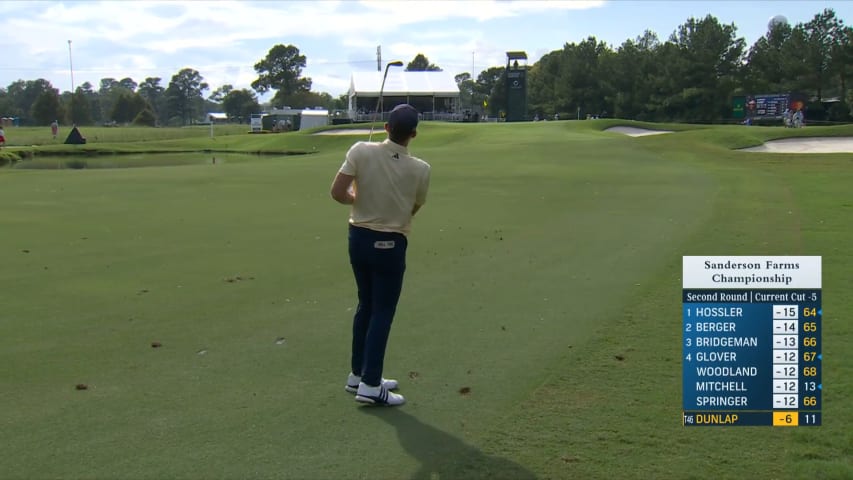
(378, 103)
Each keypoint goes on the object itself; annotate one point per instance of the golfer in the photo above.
(385, 186)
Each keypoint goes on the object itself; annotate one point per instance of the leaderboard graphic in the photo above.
(751, 341)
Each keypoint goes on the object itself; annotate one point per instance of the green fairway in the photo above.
(544, 252)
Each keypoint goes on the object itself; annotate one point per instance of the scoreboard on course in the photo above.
(751, 341)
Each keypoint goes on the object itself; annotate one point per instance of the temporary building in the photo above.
(434, 94)
(314, 118)
(217, 117)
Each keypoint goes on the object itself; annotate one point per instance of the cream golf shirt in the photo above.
(388, 182)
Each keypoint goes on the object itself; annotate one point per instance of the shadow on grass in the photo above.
(443, 456)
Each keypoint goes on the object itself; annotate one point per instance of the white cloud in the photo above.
(224, 39)
(335, 83)
(482, 10)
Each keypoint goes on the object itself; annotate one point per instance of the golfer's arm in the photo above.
(415, 209)
(340, 189)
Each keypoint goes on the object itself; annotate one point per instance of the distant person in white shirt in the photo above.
(385, 186)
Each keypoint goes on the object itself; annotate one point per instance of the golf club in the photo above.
(396, 63)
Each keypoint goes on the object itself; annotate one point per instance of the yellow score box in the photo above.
(786, 419)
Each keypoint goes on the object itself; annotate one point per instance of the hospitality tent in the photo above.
(434, 94)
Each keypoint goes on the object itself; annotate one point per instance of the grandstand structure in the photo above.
(434, 94)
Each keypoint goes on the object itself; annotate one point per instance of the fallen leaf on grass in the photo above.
(238, 278)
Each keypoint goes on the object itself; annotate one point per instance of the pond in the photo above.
(136, 160)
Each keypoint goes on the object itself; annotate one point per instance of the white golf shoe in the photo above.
(378, 396)
(353, 380)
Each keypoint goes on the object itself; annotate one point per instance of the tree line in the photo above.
(691, 77)
(180, 102)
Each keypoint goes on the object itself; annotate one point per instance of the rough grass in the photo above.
(612, 410)
(545, 251)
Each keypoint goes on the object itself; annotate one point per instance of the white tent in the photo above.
(217, 117)
(434, 94)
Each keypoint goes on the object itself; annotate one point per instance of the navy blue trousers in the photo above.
(378, 262)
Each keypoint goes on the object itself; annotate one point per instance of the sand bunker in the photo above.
(788, 145)
(636, 132)
(347, 131)
(806, 145)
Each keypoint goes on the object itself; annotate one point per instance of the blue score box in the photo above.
(752, 356)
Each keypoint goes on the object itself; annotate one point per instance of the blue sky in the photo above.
(224, 39)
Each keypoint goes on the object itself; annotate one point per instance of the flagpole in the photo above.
(71, 66)
(71, 102)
